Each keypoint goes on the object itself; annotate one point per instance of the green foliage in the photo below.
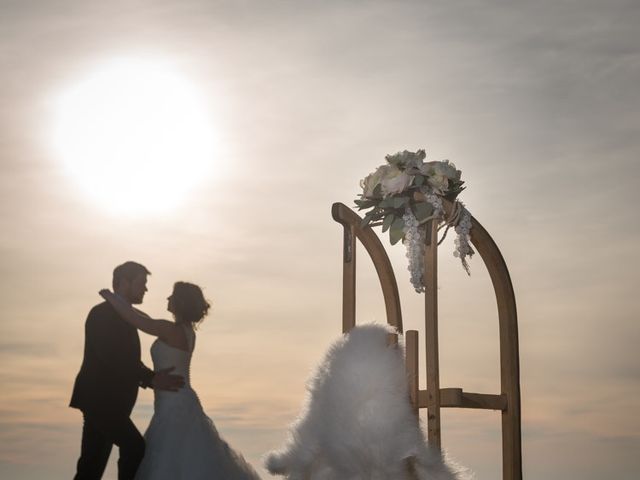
(388, 220)
(395, 232)
(398, 202)
(366, 203)
(422, 211)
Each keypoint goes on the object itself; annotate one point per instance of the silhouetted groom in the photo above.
(106, 387)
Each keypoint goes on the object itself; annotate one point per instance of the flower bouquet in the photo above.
(404, 194)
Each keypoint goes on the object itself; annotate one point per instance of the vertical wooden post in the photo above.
(431, 333)
(411, 361)
(349, 279)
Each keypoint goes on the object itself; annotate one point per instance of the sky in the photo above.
(536, 103)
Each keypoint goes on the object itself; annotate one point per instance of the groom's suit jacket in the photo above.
(111, 371)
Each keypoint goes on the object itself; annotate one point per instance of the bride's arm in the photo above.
(164, 329)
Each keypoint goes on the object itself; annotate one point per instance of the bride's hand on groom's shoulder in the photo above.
(163, 380)
(104, 293)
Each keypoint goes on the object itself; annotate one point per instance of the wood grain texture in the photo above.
(431, 334)
(509, 350)
(348, 218)
(411, 362)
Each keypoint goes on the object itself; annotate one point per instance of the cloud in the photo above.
(535, 102)
(17, 348)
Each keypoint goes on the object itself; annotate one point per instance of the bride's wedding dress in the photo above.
(182, 442)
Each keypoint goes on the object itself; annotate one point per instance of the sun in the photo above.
(134, 135)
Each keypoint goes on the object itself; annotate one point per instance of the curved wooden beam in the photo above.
(508, 402)
(509, 350)
(352, 224)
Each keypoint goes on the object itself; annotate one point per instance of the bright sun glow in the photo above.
(134, 135)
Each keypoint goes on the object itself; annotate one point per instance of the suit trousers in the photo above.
(99, 434)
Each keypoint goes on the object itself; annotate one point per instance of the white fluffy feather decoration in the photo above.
(358, 423)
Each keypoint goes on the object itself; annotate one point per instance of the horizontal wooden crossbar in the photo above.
(457, 398)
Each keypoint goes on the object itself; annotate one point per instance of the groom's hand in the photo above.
(163, 380)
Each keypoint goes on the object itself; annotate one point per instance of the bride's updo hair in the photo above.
(189, 304)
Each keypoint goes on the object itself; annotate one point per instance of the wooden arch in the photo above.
(508, 401)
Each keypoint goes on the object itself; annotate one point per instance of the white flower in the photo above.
(439, 183)
(443, 167)
(414, 236)
(436, 203)
(406, 160)
(395, 181)
(371, 181)
(463, 242)
(448, 170)
(438, 175)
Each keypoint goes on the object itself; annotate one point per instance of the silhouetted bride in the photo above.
(182, 442)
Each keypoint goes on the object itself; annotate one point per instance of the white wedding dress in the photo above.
(181, 442)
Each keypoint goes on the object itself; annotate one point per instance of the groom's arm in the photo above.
(106, 347)
(146, 376)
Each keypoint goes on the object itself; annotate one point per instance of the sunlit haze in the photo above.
(134, 135)
(208, 140)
